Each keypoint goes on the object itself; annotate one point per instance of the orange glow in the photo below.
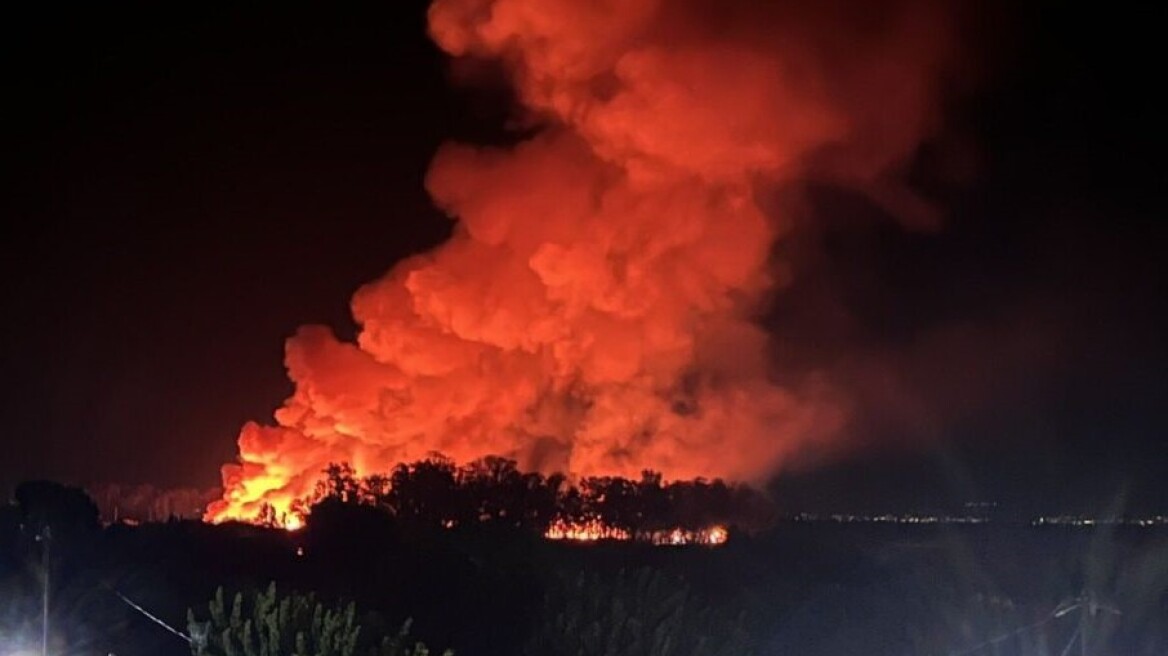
(593, 311)
(717, 535)
(595, 529)
(589, 530)
(712, 536)
(293, 523)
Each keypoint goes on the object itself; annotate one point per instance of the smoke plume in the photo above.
(594, 310)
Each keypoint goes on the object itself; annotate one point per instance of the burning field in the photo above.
(594, 312)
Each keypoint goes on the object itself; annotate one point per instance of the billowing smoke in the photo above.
(592, 312)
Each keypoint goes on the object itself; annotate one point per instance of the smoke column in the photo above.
(592, 312)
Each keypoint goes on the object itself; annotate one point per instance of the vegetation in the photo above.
(633, 613)
(436, 493)
(495, 588)
(268, 625)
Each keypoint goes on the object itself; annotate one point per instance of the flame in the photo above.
(714, 536)
(594, 529)
(717, 535)
(588, 530)
(593, 311)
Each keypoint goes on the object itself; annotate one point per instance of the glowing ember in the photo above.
(589, 530)
(293, 523)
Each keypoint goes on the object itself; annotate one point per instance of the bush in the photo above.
(637, 613)
(295, 624)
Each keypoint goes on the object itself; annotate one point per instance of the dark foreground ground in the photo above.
(804, 589)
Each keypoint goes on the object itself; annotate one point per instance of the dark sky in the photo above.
(188, 184)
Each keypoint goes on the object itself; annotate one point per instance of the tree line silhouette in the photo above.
(437, 493)
(802, 588)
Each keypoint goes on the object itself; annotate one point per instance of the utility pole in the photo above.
(45, 537)
(1085, 613)
(1090, 607)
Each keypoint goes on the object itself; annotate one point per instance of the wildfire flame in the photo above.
(592, 312)
(588, 530)
(713, 536)
(595, 529)
(717, 535)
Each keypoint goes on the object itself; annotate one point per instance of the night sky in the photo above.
(187, 185)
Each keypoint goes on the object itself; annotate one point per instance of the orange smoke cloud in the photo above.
(592, 311)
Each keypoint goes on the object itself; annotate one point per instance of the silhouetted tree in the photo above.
(375, 487)
(434, 492)
(543, 499)
(652, 501)
(9, 532)
(427, 492)
(348, 532)
(341, 482)
(267, 516)
(614, 499)
(66, 511)
(495, 489)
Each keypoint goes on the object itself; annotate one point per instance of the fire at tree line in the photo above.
(432, 496)
(433, 556)
(435, 492)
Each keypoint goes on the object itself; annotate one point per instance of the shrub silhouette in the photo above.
(634, 613)
(268, 625)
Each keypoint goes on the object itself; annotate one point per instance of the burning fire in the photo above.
(712, 536)
(718, 535)
(593, 311)
(595, 529)
(588, 530)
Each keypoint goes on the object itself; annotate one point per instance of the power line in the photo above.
(1087, 606)
(1074, 636)
(1054, 615)
(153, 618)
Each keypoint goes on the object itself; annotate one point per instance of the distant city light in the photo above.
(923, 518)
